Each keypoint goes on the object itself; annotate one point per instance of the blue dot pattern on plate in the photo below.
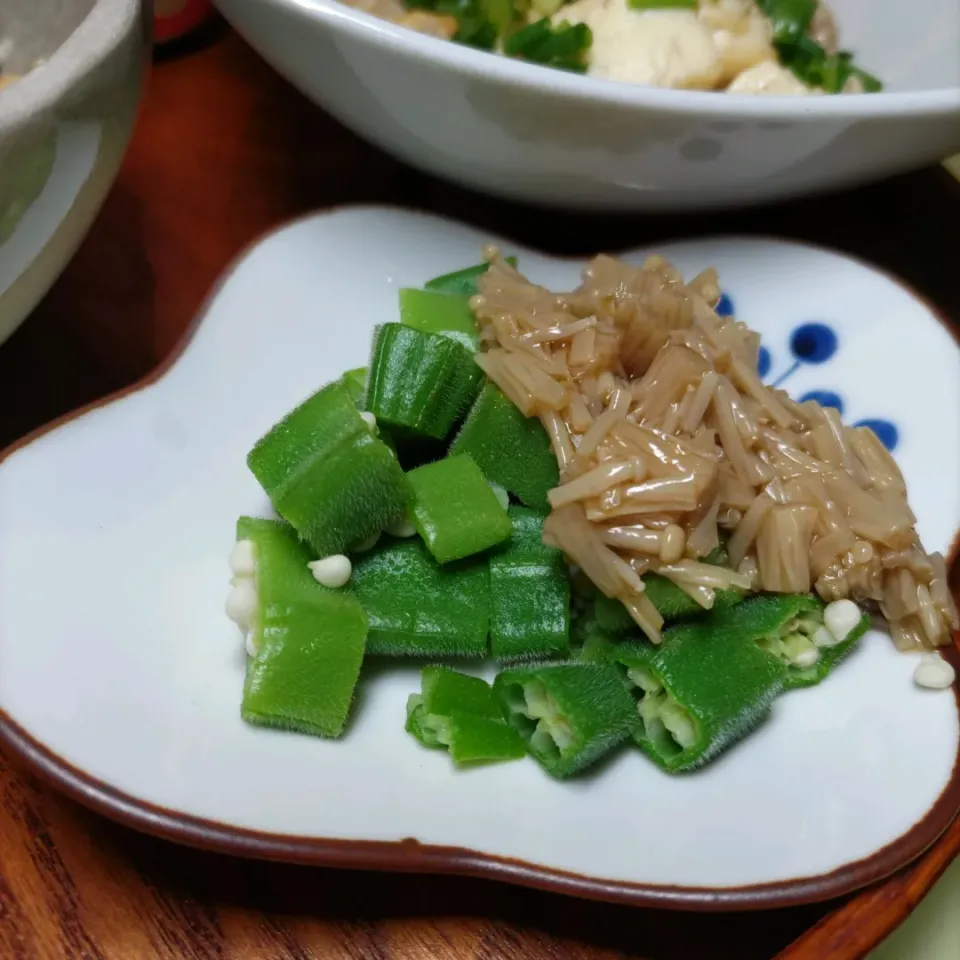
(724, 307)
(826, 398)
(813, 343)
(764, 361)
(886, 431)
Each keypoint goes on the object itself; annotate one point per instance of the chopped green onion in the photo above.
(871, 84)
(812, 64)
(790, 18)
(474, 31)
(479, 22)
(803, 56)
(561, 46)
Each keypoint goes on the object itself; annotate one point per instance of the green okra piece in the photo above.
(702, 689)
(462, 281)
(583, 620)
(328, 475)
(582, 627)
(446, 314)
(786, 625)
(355, 383)
(416, 608)
(455, 510)
(530, 594)
(461, 713)
(671, 602)
(280, 559)
(309, 640)
(597, 647)
(527, 535)
(511, 449)
(445, 691)
(569, 714)
(419, 382)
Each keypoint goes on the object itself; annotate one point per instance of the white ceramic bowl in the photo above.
(63, 129)
(544, 136)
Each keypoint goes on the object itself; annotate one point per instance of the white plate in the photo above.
(120, 676)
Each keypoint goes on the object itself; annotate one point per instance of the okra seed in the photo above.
(242, 560)
(807, 658)
(490, 252)
(364, 545)
(402, 528)
(840, 617)
(822, 637)
(242, 602)
(503, 498)
(934, 673)
(331, 571)
(369, 419)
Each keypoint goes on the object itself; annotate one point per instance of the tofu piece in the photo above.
(660, 48)
(743, 35)
(771, 79)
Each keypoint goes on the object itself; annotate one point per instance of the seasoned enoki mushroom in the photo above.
(668, 440)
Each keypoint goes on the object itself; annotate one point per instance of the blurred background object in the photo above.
(76, 71)
(176, 19)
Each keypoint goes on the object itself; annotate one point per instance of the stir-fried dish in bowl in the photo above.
(575, 138)
(777, 47)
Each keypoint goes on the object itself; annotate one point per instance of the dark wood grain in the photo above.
(225, 151)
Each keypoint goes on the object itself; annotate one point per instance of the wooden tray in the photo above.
(225, 151)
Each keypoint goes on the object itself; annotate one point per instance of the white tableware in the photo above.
(64, 126)
(120, 675)
(544, 136)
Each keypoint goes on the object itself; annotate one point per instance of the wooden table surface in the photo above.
(226, 150)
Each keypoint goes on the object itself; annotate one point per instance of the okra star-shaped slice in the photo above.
(420, 382)
(328, 475)
(706, 686)
(530, 594)
(461, 713)
(455, 510)
(791, 627)
(569, 714)
(308, 641)
(417, 608)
